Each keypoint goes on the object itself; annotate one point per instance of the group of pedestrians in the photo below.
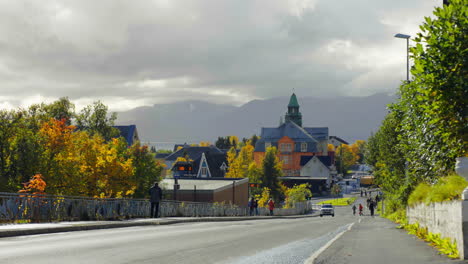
(253, 206)
(371, 205)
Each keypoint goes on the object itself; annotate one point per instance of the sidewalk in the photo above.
(10, 230)
(377, 240)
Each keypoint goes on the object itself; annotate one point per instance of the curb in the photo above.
(97, 226)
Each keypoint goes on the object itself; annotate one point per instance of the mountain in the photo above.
(350, 118)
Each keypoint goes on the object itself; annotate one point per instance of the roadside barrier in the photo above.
(46, 208)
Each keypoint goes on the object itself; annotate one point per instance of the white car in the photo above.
(327, 209)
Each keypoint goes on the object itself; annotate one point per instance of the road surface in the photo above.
(256, 241)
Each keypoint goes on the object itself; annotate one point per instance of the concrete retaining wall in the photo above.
(446, 218)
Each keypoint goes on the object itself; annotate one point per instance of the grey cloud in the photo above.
(258, 49)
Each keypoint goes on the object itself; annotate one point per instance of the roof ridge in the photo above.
(303, 130)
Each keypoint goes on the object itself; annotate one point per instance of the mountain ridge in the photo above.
(348, 117)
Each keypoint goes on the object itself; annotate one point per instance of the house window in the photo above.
(203, 172)
(267, 145)
(303, 147)
(286, 147)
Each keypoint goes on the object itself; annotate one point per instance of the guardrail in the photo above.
(40, 208)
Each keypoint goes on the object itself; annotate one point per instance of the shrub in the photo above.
(419, 194)
(446, 189)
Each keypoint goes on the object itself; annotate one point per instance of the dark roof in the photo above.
(214, 160)
(339, 139)
(293, 101)
(127, 132)
(193, 152)
(162, 155)
(319, 133)
(289, 129)
(176, 146)
(326, 160)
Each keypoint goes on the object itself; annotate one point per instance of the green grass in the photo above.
(339, 201)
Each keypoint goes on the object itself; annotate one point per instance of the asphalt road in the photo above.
(257, 241)
(242, 242)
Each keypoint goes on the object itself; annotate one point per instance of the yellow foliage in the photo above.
(264, 197)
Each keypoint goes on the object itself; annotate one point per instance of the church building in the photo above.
(295, 143)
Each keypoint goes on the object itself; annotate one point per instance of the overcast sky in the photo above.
(135, 53)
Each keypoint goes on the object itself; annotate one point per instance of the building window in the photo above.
(204, 171)
(267, 145)
(303, 147)
(286, 147)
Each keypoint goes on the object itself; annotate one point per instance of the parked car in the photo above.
(327, 209)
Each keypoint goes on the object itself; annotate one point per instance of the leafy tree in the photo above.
(427, 127)
(223, 143)
(9, 126)
(146, 169)
(234, 167)
(298, 193)
(36, 185)
(233, 141)
(346, 156)
(239, 166)
(95, 119)
(271, 171)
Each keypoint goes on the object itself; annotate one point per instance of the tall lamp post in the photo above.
(407, 37)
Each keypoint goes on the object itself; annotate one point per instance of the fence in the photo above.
(14, 206)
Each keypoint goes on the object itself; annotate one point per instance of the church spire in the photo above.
(293, 113)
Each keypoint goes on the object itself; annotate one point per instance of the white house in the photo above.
(315, 169)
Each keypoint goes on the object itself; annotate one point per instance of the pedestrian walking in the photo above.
(256, 207)
(365, 193)
(361, 192)
(371, 208)
(271, 206)
(354, 209)
(369, 200)
(155, 197)
(360, 209)
(251, 206)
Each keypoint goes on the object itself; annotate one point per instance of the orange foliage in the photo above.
(36, 185)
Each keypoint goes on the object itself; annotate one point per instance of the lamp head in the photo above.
(403, 36)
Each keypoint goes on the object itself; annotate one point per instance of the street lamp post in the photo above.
(407, 37)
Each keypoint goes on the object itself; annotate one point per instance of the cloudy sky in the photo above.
(135, 53)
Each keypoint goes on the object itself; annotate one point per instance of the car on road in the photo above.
(327, 209)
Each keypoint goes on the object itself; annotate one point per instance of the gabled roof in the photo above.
(326, 160)
(215, 161)
(339, 139)
(127, 132)
(193, 153)
(162, 155)
(293, 101)
(319, 133)
(289, 129)
(176, 146)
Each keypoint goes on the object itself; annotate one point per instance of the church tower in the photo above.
(293, 113)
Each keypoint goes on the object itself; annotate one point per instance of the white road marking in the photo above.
(311, 259)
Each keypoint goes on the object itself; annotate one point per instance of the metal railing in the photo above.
(41, 208)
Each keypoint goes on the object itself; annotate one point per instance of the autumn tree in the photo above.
(296, 194)
(36, 185)
(239, 165)
(146, 169)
